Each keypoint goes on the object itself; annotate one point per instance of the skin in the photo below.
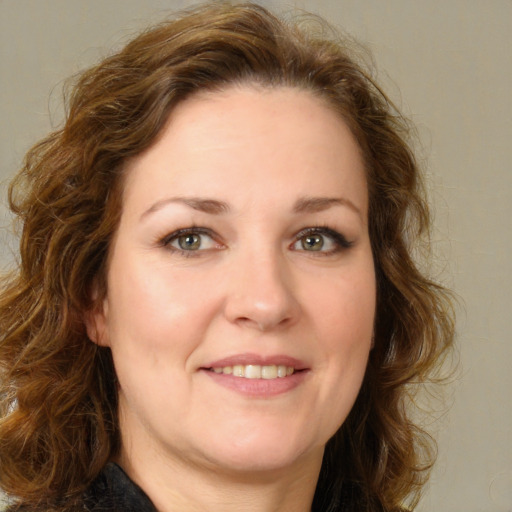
(254, 286)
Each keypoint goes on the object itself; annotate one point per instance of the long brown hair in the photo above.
(58, 424)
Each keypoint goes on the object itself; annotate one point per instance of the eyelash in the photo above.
(175, 235)
(339, 240)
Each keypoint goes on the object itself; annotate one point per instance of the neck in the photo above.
(179, 485)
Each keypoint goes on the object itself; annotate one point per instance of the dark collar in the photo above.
(113, 491)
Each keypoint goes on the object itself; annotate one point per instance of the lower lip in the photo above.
(259, 388)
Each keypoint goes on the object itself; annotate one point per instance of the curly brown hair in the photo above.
(58, 425)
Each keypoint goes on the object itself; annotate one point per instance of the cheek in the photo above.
(152, 331)
(344, 322)
(346, 309)
(156, 314)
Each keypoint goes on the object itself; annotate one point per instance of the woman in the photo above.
(216, 306)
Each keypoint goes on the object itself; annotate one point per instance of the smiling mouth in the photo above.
(256, 371)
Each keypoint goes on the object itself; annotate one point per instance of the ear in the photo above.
(96, 320)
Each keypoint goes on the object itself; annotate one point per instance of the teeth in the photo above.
(252, 371)
(282, 371)
(256, 371)
(269, 372)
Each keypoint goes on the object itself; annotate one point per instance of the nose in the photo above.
(261, 293)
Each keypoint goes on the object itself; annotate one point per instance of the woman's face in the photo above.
(241, 286)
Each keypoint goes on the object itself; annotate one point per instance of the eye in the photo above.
(321, 240)
(312, 242)
(190, 240)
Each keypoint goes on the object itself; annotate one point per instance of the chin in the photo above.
(257, 463)
(263, 454)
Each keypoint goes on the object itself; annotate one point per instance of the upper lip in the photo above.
(258, 359)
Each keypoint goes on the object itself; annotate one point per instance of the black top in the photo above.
(113, 491)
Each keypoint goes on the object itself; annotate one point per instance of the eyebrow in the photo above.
(319, 204)
(215, 207)
(211, 206)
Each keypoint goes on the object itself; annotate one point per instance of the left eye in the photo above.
(190, 241)
(312, 242)
(326, 241)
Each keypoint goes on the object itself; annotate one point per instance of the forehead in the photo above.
(246, 137)
(258, 109)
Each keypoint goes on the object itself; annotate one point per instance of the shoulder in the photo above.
(113, 491)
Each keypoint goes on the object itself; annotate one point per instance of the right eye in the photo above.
(189, 240)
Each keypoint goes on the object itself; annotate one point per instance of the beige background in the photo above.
(448, 63)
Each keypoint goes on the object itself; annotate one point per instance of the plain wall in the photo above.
(448, 64)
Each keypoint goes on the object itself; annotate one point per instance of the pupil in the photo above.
(189, 242)
(313, 243)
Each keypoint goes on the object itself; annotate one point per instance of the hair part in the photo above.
(59, 423)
